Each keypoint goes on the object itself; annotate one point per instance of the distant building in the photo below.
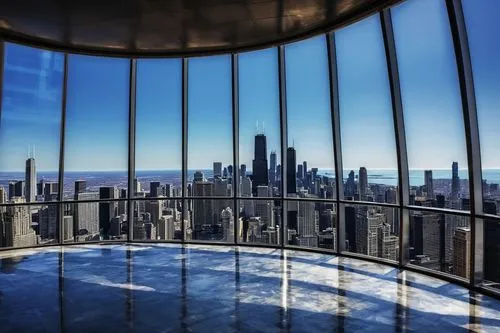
(429, 187)
(461, 250)
(217, 169)
(15, 226)
(30, 179)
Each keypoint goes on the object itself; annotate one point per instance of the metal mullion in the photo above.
(337, 147)
(131, 147)
(184, 146)
(467, 93)
(400, 136)
(62, 138)
(2, 65)
(236, 143)
(284, 139)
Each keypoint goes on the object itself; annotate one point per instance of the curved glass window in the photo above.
(432, 106)
(210, 147)
(310, 162)
(366, 120)
(96, 147)
(30, 127)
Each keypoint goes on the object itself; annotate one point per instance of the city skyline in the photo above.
(32, 102)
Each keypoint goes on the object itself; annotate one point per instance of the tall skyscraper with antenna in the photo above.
(259, 164)
(30, 177)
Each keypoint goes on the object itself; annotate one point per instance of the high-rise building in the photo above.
(363, 183)
(259, 163)
(455, 181)
(243, 170)
(137, 186)
(264, 208)
(166, 227)
(300, 171)
(291, 177)
(461, 248)
(217, 169)
(154, 189)
(305, 168)
(429, 187)
(368, 223)
(16, 189)
(30, 179)
(198, 176)
(350, 185)
(272, 168)
(203, 210)
(48, 226)
(227, 221)
(15, 227)
(50, 191)
(246, 191)
(80, 186)
(86, 216)
(230, 170)
(3, 196)
(427, 238)
(107, 210)
(307, 224)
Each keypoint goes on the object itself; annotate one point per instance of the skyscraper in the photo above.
(461, 248)
(243, 170)
(80, 186)
(154, 189)
(291, 177)
(15, 227)
(455, 181)
(259, 163)
(429, 187)
(350, 185)
(86, 216)
(305, 168)
(272, 167)
(363, 183)
(107, 210)
(217, 169)
(300, 171)
(30, 179)
(198, 176)
(203, 210)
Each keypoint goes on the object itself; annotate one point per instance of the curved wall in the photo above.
(378, 139)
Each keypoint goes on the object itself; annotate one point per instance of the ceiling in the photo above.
(173, 27)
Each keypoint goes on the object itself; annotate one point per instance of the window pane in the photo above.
(312, 224)
(96, 148)
(30, 124)
(367, 127)
(440, 242)
(431, 102)
(309, 154)
(482, 28)
(158, 157)
(372, 230)
(210, 141)
(259, 123)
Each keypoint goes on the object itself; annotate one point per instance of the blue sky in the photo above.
(97, 101)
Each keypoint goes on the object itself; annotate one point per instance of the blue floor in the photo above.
(170, 288)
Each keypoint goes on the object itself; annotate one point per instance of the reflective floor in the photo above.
(168, 288)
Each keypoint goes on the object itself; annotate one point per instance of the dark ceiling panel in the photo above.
(173, 27)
